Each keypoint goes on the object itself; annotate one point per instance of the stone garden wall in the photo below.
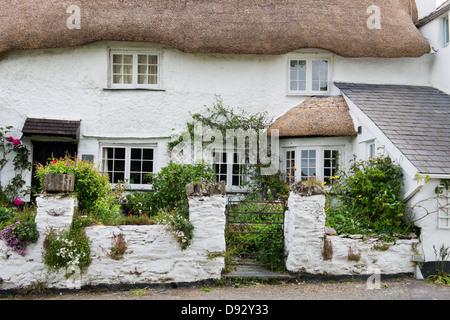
(309, 249)
(153, 255)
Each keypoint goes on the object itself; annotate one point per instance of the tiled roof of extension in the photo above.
(415, 118)
(51, 127)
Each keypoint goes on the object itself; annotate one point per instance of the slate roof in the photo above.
(51, 127)
(443, 8)
(415, 118)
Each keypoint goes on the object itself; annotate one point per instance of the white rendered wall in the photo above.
(304, 242)
(440, 57)
(72, 84)
(153, 255)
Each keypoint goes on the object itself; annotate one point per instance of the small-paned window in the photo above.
(135, 70)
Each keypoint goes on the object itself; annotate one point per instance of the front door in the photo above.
(44, 151)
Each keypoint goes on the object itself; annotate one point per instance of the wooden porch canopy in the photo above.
(52, 127)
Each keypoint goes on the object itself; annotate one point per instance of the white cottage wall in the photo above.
(73, 84)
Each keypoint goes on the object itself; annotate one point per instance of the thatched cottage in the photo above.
(110, 80)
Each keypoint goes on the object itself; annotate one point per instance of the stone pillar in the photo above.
(304, 231)
(55, 211)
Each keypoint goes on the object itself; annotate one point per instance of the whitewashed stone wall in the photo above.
(152, 256)
(304, 243)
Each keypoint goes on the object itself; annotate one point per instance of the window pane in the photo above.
(119, 165)
(128, 79)
(152, 80)
(117, 79)
(153, 70)
(119, 153)
(141, 163)
(147, 166)
(297, 75)
(118, 176)
(147, 154)
(142, 79)
(142, 69)
(153, 59)
(320, 75)
(308, 164)
(128, 59)
(135, 165)
(136, 153)
(294, 85)
(118, 58)
(135, 178)
(330, 164)
(114, 163)
(142, 59)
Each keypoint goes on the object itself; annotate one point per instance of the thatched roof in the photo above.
(316, 117)
(218, 26)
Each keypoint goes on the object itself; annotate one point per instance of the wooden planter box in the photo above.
(58, 183)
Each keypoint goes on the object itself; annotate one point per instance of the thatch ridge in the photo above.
(316, 117)
(218, 26)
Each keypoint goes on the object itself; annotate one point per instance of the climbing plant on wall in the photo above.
(12, 149)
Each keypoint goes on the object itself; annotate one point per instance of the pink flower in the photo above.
(67, 164)
(18, 202)
(17, 142)
(10, 139)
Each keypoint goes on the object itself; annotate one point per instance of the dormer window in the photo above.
(134, 70)
(308, 75)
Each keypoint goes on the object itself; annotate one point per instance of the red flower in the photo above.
(10, 139)
(54, 161)
(18, 202)
(17, 142)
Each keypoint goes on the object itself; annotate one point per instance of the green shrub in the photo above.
(368, 198)
(92, 186)
(169, 184)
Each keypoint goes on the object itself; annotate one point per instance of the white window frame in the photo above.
(319, 165)
(443, 203)
(229, 165)
(371, 149)
(134, 84)
(290, 171)
(446, 30)
(128, 162)
(309, 58)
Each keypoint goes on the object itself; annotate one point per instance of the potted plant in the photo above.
(58, 177)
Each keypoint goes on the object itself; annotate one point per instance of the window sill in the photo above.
(133, 89)
(307, 94)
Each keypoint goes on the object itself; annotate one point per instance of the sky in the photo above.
(439, 2)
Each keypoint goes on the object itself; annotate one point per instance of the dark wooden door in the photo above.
(43, 152)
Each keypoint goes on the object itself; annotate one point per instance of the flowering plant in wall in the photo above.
(19, 234)
(68, 248)
(181, 227)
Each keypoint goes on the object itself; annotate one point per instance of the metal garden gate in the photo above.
(255, 233)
